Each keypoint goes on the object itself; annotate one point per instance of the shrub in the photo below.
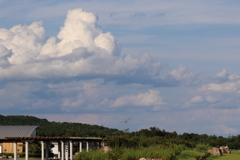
(92, 155)
(203, 147)
(7, 154)
(190, 153)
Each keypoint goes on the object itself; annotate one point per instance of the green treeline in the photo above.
(58, 129)
(154, 136)
(142, 138)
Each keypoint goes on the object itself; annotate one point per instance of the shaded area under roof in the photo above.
(16, 131)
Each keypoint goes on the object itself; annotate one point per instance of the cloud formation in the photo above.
(225, 83)
(80, 50)
(150, 98)
(223, 92)
(181, 75)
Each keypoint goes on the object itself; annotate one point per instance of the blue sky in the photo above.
(169, 64)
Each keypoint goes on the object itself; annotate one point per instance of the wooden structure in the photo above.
(7, 147)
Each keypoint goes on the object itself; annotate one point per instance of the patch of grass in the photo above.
(235, 155)
(190, 154)
(186, 158)
(150, 152)
(203, 147)
(92, 155)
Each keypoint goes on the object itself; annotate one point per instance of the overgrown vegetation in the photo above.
(159, 151)
(172, 152)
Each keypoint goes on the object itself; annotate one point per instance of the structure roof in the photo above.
(55, 138)
(16, 131)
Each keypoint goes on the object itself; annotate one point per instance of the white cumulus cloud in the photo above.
(223, 87)
(150, 98)
(230, 84)
(81, 49)
(223, 93)
(197, 99)
(182, 75)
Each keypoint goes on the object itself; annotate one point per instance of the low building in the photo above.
(15, 131)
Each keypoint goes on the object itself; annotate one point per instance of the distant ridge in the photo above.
(58, 129)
